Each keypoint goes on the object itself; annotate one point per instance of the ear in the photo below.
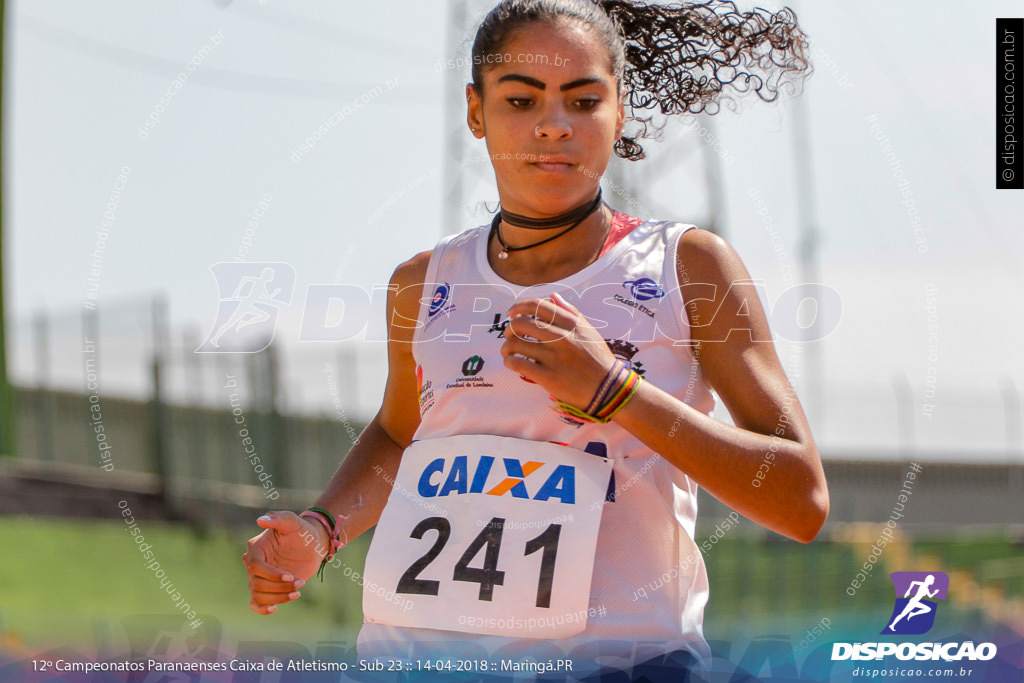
(474, 111)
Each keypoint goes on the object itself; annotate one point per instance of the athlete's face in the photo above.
(550, 113)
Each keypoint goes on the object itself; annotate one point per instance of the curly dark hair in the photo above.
(670, 59)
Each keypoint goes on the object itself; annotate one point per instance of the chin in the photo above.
(561, 194)
(550, 195)
(556, 203)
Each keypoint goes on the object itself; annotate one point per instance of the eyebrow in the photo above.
(540, 85)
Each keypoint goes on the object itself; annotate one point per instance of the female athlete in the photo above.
(546, 419)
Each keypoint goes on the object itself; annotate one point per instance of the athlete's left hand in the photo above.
(548, 341)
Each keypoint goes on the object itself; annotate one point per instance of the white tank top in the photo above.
(646, 539)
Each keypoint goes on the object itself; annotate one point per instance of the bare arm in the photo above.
(361, 485)
(280, 559)
(738, 360)
(766, 466)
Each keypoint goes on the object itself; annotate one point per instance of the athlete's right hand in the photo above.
(280, 560)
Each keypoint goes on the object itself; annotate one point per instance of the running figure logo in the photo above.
(914, 613)
(250, 296)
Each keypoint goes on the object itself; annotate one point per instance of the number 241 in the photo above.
(489, 575)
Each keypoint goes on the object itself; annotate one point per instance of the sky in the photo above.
(900, 121)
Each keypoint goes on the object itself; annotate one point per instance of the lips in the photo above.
(550, 159)
(553, 167)
(553, 163)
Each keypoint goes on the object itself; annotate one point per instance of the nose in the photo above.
(554, 126)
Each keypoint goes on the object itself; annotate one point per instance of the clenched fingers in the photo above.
(269, 586)
(545, 311)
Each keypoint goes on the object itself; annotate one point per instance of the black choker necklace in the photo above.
(575, 216)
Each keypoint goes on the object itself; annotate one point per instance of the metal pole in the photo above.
(904, 415)
(453, 128)
(1011, 407)
(90, 343)
(198, 437)
(1014, 442)
(44, 396)
(7, 435)
(810, 236)
(159, 414)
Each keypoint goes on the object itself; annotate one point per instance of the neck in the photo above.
(555, 260)
(572, 217)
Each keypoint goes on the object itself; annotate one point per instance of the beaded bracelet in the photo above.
(331, 524)
(612, 394)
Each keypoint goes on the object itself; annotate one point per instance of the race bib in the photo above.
(488, 534)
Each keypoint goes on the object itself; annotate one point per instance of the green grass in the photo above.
(84, 583)
(749, 579)
(994, 560)
(71, 582)
(783, 585)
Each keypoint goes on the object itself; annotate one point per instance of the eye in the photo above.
(587, 104)
(519, 102)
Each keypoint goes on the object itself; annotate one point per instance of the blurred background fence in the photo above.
(113, 406)
(208, 433)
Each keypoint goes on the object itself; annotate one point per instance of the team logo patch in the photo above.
(472, 366)
(916, 595)
(624, 350)
(440, 299)
(471, 377)
(644, 289)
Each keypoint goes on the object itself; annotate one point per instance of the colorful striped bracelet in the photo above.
(614, 392)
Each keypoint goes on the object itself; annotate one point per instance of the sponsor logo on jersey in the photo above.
(425, 391)
(440, 303)
(471, 377)
(644, 289)
(444, 477)
(633, 304)
(499, 325)
(440, 299)
(472, 366)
